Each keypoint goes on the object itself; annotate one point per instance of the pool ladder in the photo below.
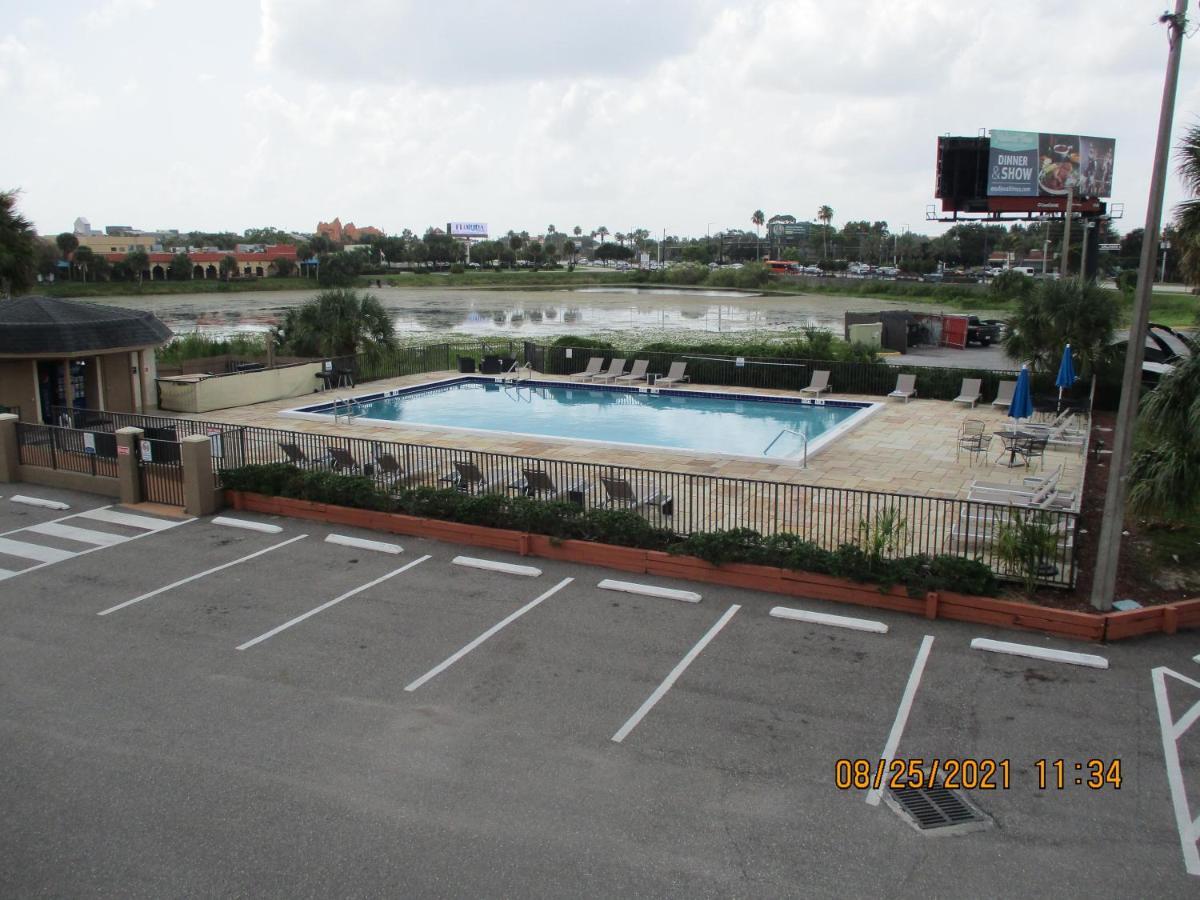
(803, 437)
(343, 406)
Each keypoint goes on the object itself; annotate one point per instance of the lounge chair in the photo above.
(637, 373)
(1004, 394)
(969, 392)
(297, 457)
(342, 460)
(906, 386)
(1028, 486)
(674, 375)
(538, 483)
(593, 369)
(819, 383)
(469, 478)
(621, 493)
(616, 368)
(389, 467)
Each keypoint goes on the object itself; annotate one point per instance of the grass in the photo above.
(1173, 548)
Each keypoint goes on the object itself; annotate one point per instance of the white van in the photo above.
(1025, 270)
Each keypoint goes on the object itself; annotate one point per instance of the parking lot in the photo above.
(194, 708)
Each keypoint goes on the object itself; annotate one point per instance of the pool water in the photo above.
(721, 423)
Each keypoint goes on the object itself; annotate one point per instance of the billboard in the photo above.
(1041, 164)
(467, 229)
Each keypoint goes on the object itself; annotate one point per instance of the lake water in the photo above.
(523, 313)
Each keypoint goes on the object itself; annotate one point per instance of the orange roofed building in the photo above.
(348, 233)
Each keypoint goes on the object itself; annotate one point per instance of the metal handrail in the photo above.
(347, 411)
(782, 432)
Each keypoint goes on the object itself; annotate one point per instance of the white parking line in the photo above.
(34, 551)
(680, 668)
(81, 535)
(247, 524)
(59, 519)
(493, 566)
(804, 615)
(906, 702)
(648, 590)
(336, 600)
(175, 584)
(1045, 653)
(1172, 730)
(507, 620)
(346, 540)
(112, 516)
(38, 501)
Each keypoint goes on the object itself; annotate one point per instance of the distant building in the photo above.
(207, 263)
(348, 233)
(118, 243)
(118, 230)
(84, 227)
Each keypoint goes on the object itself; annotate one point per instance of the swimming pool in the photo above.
(727, 423)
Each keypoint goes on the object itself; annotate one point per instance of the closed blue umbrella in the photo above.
(1021, 406)
(1066, 373)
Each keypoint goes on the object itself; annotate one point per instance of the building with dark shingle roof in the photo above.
(83, 355)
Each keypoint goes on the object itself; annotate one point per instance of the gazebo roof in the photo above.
(36, 326)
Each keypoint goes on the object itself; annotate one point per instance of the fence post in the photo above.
(199, 495)
(128, 477)
(10, 453)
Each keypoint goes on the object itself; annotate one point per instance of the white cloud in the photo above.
(114, 11)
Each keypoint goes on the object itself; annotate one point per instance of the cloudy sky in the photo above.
(678, 114)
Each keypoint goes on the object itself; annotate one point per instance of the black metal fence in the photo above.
(687, 503)
(67, 449)
(160, 470)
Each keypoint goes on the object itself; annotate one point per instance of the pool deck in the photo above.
(902, 448)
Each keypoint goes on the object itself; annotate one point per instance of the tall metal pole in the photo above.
(1109, 548)
(1063, 267)
(1086, 224)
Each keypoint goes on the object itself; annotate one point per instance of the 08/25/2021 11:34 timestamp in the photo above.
(985, 774)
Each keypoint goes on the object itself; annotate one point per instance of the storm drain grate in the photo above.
(935, 807)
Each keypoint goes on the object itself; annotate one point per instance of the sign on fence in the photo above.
(122, 450)
(147, 452)
(89, 442)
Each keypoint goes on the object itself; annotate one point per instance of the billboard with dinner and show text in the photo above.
(1039, 164)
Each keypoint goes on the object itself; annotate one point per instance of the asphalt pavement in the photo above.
(189, 708)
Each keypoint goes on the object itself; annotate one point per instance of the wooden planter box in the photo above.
(943, 604)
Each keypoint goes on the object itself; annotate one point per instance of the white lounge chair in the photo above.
(969, 392)
(1004, 394)
(593, 369)
(819, 383)
(674, 375)
(615, 368)
(906, 386)
(637, 373)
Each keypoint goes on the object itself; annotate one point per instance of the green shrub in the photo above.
(1011, 285)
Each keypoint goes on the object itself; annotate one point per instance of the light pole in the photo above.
(1108, 548)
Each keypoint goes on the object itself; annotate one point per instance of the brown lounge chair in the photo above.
(674, 375)
(595, 364)
(621, 493)
(615, 369)
(969, 392)
(390, 468)
(297, 457)
(343, 460)
(637, 373)
(538, 483)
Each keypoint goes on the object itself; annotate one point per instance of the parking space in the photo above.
(507, 734)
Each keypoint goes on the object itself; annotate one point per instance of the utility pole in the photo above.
(1108, 551)
(1086, 224)
(1063, 267)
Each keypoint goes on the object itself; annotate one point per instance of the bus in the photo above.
(783, 266)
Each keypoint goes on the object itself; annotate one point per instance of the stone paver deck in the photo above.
(903, 448)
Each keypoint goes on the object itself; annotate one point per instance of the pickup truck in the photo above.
(984, 331)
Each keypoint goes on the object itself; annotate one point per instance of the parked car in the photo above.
(984, 331)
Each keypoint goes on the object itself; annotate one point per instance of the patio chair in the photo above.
(969, 392)
(615, 368)
(593, 369)
(538, 483)
(1032, 448)
(971, 437)
(1004, 394)
(637, 373)
(469, 478)
(621, 493)
(819, 383)
(906, 386)
(297, 457)
(342, 460)
(389, 467)
(674, 375)
(974, 446)
(1028, 486)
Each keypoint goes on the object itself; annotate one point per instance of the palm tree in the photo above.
(514, 244)
(138, 262)
(1187, 213)
(18, 247)
(577, 231)
(825, 214)
(1058, 313)
(67, 244)
(336, 323)
(603, 232)
(1164, 472)
(757, 220)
